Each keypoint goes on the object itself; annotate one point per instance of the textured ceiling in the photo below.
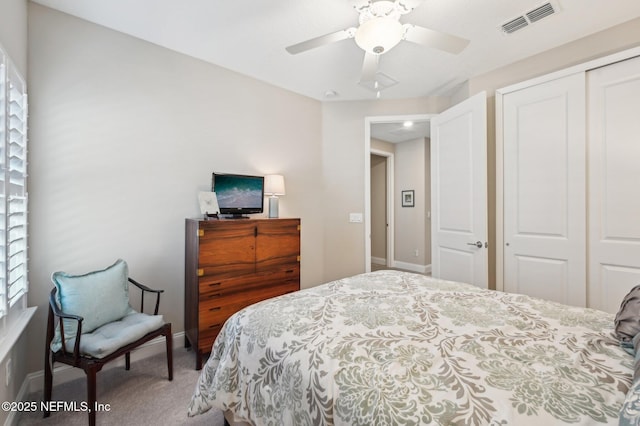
(398, 132)
(250, 36)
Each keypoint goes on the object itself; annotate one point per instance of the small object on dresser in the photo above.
(208, 204)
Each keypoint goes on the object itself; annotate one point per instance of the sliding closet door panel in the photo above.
(614, 184)
(544, 191)
(531, 271)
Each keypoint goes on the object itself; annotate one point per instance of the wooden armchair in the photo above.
(92, 348)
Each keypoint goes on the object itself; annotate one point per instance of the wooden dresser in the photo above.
(230, 264)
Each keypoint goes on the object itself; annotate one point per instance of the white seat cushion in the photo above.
(108, 338)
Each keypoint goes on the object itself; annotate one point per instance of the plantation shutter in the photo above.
(13, 185)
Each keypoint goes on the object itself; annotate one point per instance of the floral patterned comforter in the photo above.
(395, 348)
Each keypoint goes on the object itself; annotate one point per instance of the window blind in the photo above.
(3, 199)
(13, 186)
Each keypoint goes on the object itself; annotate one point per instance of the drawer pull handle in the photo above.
(214, 325)
(217, 308)
(214, 284)
(289, 271)
(211, 296)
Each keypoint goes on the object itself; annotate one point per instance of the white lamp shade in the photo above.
(274, 185)
(378, 35)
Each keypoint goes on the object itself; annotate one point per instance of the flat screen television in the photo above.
(238, 195)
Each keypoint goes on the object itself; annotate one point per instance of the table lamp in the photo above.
(273, 187)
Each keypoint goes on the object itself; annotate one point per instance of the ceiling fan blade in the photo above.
(369, 67)
(435, 39)
(321, 41)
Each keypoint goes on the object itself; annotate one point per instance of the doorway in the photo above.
(382, 218)
(458, 163)
(382, 136)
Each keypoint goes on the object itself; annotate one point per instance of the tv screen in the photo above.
(238, 194)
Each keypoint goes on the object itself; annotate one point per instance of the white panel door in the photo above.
(544, 191)
(459, 192)
(614, 182)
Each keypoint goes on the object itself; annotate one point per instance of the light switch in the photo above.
(355, 217)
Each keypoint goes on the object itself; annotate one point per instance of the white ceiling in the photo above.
(397, 132)
(250, 36)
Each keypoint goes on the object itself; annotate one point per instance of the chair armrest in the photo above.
(57, 312)
(146, 289)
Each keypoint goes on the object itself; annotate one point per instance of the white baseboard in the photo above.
(413, 267)
(65, 373)
(23, 394)
(379, 261)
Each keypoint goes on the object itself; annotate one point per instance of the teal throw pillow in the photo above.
(99, 297)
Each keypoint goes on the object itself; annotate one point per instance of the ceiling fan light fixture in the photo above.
(379, 35)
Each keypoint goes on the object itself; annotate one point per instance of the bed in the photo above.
(397, 348)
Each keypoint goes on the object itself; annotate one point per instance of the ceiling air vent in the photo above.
(514, 25)
(540, 12)
(530, 17)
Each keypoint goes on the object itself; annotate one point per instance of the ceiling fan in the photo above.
(380, 30)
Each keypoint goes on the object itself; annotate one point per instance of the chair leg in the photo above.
(91, 393)
(127, 361)
(169, 339)
(48, 378)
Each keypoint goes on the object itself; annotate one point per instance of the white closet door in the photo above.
(614, 182)
(544, 191)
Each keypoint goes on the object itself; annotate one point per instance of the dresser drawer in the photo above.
(214, 312)
(226, 248)
(211, 287)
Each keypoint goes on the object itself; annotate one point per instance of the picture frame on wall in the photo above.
(407, 198)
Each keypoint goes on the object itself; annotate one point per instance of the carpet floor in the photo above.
(140, 396)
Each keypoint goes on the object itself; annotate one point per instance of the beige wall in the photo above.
(13, 32)
(384, 146)
(343, 157)
(13, 38)
(123, 134)
(410, 174)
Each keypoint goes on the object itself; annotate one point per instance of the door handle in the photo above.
(477, 244)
